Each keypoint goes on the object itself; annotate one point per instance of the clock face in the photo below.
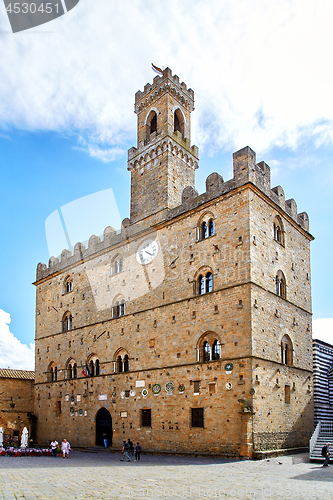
(147, 252)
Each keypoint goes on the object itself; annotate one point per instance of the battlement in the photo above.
(245, 170)
(141, 156)
(167, 83)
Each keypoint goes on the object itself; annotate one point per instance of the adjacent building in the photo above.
(323, 381)
(16, 404)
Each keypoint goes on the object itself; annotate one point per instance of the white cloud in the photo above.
(323, 329)
(260, 70)
(13, 353)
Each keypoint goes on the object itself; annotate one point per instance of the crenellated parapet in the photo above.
(166, 84)
(245, 170)
(81, 252)
(142, 156)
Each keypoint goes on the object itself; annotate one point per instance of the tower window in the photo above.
(178, 122)
(286, 351)
(153, 124)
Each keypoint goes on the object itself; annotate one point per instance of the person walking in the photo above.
(65, 448)
(105, 440)
(54, 446)
(326, 453)
(137, 451)
(125, 451)
(131, 447)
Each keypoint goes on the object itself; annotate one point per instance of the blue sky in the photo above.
(261, 77)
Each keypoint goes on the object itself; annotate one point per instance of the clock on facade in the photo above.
(147, 252)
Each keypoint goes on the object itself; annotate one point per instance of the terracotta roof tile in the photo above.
(21, 374)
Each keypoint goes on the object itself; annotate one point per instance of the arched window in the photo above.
(178, 122)
(71, 369)
(67, 322)
(201, 283)
(278, 231)
(206, 226)
(52, 373)
(204, 283)
(121, 361)
(204, 231)
(119, 364)
(126, 363)
(286, 351)
(206, 351)
(117, 265)
(211, 227)
(208, 347)
(93, 365)
(153, 124)
(118, 307)
(209, 282)
(69, 285)
(216, 351)
(280, 285)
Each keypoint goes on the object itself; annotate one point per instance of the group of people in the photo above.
(128, 448)
(65, 448)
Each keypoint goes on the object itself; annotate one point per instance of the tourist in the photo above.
(65, 448)
(326, 454)
(131, 447)
(105, 440)
(125, 451)
(54, 446)
(137, 451)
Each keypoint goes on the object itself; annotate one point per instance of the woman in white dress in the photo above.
(65, 448)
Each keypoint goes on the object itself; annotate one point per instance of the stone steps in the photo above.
(323, 439)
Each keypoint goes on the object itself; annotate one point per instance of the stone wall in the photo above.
(17, 406)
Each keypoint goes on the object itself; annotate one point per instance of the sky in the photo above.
(262, 76)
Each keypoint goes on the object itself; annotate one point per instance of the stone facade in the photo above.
(17, 403)
(193, 323)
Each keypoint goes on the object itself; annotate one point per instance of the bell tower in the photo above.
(164, 162)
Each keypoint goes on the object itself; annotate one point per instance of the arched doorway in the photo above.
(103, 426)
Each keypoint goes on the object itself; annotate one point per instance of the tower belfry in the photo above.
(164, 162)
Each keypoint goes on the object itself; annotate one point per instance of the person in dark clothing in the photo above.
(131, 447)
(326, 453)
(125, 451)
(137, 451)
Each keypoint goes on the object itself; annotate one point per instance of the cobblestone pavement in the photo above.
(101, 476)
